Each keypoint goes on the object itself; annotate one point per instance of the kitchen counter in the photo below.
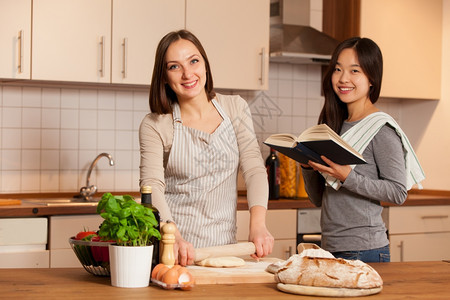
(26, 209)
(419, 280)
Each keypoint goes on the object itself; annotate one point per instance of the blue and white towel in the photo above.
(360, 135)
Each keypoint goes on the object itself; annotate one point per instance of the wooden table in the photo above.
(418, 280)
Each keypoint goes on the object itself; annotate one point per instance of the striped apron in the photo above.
(201, 179)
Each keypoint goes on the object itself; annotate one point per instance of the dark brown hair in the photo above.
(334, 111)
(162, 96)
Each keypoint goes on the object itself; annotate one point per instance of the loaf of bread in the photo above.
(328, 272)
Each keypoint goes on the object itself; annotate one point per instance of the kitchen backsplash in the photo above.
(50, 136)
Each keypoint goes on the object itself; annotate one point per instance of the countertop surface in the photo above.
(407, 280)
(28, 209)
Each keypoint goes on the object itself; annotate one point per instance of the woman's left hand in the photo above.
(263, 241)
(259, 234)
(339, 172)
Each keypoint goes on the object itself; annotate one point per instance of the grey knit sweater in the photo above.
(351, 217)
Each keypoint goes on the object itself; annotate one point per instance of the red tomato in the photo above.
(85, 235)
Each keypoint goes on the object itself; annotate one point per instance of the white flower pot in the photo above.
(130, 267)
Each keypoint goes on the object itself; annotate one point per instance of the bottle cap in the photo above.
(146, 189)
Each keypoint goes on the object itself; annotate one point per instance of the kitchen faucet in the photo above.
(89, 190)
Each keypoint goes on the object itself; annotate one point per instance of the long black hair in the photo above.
(334, 111)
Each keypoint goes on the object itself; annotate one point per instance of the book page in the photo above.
(282, 139)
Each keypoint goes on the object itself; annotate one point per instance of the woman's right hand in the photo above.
(183, 250)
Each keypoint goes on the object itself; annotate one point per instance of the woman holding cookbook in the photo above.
(350, 195)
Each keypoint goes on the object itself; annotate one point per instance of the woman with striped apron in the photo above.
(192, 145)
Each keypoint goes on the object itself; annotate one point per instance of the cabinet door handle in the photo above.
(401, 246)
(288, 252)
(102, 55)
(19, 49)
(435, 217)
(124, 57)
(263, 68)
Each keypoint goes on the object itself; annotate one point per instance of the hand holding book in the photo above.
(312, 143)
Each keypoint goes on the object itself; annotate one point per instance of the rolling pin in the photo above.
(168, 239)
(238, 249)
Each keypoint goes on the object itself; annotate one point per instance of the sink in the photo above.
(62, 201)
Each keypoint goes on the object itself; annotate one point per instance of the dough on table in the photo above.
(222, 262)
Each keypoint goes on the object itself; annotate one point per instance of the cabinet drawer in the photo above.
(281, 223)
(419, 219)
(63, 227)
(23, 231)
(420, 247)
(29, 259)
(64, 258)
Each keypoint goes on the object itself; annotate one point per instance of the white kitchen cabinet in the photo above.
(15, 39)
(72, 40)
(419, 233)
(23, 243)
(409, 33)
(138, 26)
(61, 229)
(235, 35)
(281, 223)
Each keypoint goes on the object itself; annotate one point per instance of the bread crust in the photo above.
(328, 272)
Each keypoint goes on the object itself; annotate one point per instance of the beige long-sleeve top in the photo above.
(156, 137)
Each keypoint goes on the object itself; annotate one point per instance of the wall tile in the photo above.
(50, 138)
(31, 138)
(69, 139)
(50, 160)
(31, 97)
(30, 181)
(106, 100)
(70, 98)
(140, 102)
(51, 118)
(68, 160)
(31, 159)
(11, 160)
(11, 117)
(106, 119)
(88, 140)
(124, 100)
(31, 117)
(124, 120)
(11, 138)
(106, 140)
(69, 119)
(88, 99)
(49, 181)
(51, 97)
(285, 88)
(12, 96)
(11, 181)
(88, 119)
(124, 140)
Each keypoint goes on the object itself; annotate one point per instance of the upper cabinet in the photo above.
(71, 40)
(138, 26)
(235, 35)
(114, 41)
(15, 39)
(409, 33)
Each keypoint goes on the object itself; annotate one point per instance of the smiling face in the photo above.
(185, 70)
(348, 79)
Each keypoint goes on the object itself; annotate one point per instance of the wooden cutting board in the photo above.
(252, 272)
(10, 202)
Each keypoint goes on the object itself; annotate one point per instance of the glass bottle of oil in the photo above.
(146, 200)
